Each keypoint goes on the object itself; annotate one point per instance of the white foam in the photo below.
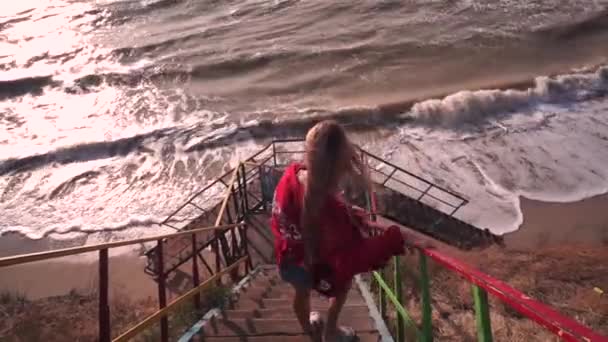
(470, 107)
(550, 153)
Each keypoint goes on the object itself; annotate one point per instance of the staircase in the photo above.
(261, 310)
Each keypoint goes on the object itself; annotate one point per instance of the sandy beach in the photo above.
(79, 273)
(549, 224)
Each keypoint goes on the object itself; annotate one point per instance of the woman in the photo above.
(318, 243)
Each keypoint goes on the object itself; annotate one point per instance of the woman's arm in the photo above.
(361, 219)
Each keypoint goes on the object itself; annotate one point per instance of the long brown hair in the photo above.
(330, 158)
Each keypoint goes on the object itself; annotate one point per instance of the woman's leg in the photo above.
(332, 333)
(301, 283)
(301, 307)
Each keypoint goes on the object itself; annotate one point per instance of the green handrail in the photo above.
(398, 306)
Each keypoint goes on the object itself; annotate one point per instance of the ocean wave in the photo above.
(71, 184)
(474, 106)
(73, 229)
(22, 86)
(593, 24)
(464, 107)
(82, 152)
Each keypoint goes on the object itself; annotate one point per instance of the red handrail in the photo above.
(562, 326)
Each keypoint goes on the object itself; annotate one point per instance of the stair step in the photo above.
(256, 326)
(362, 337)
(348, 312)
(283, 292)
(271, 302)
(263, 281)
(245, 303)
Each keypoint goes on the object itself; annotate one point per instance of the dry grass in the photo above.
(73, 317)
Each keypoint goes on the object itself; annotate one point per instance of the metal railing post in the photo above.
(245, 247)
(425, 286)
(162, 293)
(195, 275)
(482, 315)
(397, 288)
(104, 308)
(244, 185)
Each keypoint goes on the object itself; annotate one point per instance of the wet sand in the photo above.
(549, 224)
(78, 273)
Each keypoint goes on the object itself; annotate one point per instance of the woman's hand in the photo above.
(412, 243)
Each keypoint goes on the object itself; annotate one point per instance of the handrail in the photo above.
(235, 173)
(393, 298)
(560, 325)
(208, 186)
(155, 317)
(32, 257)
(460, 197)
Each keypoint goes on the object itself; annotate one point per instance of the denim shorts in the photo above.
(296, 276)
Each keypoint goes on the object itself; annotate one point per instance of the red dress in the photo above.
(343, 251)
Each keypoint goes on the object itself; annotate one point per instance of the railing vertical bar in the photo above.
(389, 176)
(242, 209)
(206, 264)
(425, 286)
(195, 275)
(274, 153)
(162, 293)
(456, 208)
(245, 191)
(249, 264)
(104, 308)
(234, 210)
(369, 202)
(261, 173)
(482, 314)
(397, 288)
(425, 192)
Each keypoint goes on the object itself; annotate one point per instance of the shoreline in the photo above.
(546, 225)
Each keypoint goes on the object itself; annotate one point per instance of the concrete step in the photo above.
(348, 312)
(265, 282)
(283, 292)
(257, 326)
(245, 303)
(361, 337)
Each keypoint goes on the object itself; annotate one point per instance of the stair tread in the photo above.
(284, 293)
(362, 337)
(288, 313)
(261, 303)
(256, 326)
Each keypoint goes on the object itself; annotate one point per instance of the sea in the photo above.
(114, 112)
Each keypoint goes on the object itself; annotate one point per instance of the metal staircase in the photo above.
(261, 310)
